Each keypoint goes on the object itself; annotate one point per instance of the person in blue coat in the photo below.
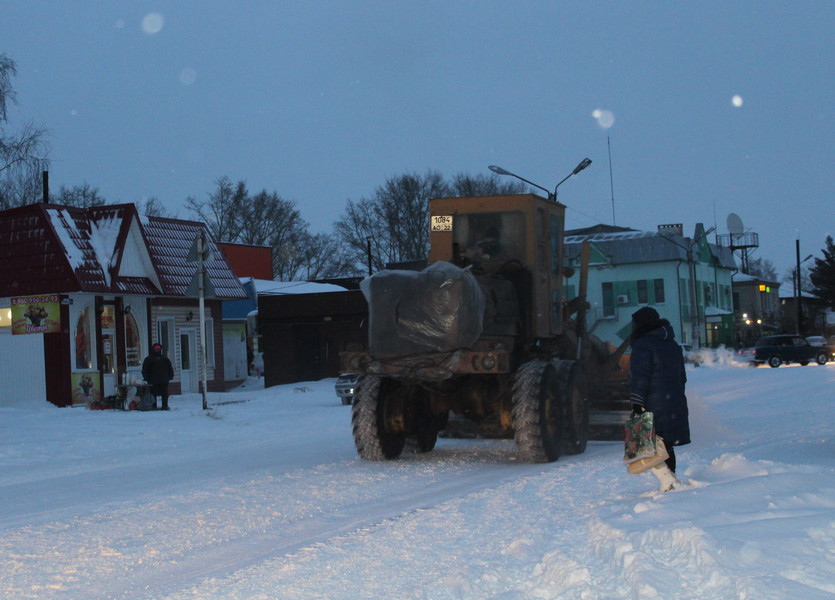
(656, 384)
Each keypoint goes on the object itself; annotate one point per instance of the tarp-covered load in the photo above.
(439, 309)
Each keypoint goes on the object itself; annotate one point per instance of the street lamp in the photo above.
(551, 196)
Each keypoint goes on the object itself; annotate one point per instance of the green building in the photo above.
(687, 280)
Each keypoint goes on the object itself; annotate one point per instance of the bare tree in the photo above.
(464, 184)
(762, 268)
(356, 230)
(394, 221)
(82, 196)
(222, 210)
(266, 219)
(152, 207)
(22, 154)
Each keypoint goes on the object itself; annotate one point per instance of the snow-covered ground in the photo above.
(264, 497)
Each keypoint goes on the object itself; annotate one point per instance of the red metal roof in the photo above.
(169, 241)
(59, 249)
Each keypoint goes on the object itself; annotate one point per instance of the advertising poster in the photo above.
(85, 388)
(36, 314)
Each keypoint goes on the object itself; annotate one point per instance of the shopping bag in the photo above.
(642, 448)
(643, 464)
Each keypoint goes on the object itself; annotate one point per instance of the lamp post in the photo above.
(551, 196)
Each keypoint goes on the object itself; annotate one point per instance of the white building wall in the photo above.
(22, 375)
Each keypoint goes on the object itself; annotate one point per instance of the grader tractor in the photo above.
(484, 333)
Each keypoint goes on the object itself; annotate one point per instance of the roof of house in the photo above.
(265, 287)
(743, 278)
(628, 246)
(47, 248)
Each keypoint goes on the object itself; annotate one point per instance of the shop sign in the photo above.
(36, 314)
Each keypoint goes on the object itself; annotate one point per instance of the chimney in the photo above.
(46, 187)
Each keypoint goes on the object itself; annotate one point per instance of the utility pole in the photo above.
(201, 286)
(696, 330)
(201, 270)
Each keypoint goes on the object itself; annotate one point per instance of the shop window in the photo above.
(165, 336)
(83, 340)
(132, 342)
(108, 317)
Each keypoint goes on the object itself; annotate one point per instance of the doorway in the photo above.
(189, 376)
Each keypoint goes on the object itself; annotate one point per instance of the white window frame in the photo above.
(209, 341)
(169, 345)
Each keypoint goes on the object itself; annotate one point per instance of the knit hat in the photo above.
(157, 347)
(645, 316)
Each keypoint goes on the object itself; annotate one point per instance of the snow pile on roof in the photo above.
(67, 233)
(103, 237)
(264, 287)
(609, 236)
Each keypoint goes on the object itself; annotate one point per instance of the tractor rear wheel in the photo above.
(537, 412)
(574, 399)
(372, 437)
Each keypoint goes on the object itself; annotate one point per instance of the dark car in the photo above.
(345, 385)
(818, 341)
(775, 350)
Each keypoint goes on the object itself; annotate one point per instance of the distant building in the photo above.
(687, 280)
(757, 306)
(85, 293)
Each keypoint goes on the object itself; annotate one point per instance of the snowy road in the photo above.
(266, 499)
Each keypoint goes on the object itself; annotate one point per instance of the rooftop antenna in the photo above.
(611, 181)
(738, 239)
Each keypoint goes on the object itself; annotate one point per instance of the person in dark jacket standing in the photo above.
(656, 383)
(158, 371)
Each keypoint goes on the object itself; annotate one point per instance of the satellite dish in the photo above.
(735, 224)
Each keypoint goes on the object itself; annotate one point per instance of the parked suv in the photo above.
(778, 349)
(818, 341)
(345, 387)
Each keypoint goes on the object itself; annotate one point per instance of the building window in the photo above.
(83, 341)
(165, 336)
(659, 291)
(642, 291)
(132, 342)
(608, 299)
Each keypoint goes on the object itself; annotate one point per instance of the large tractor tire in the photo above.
(368, 421)
(575, 407)
(537, 412)
(422, 442)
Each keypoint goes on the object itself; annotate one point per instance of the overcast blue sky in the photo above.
(711, 107)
